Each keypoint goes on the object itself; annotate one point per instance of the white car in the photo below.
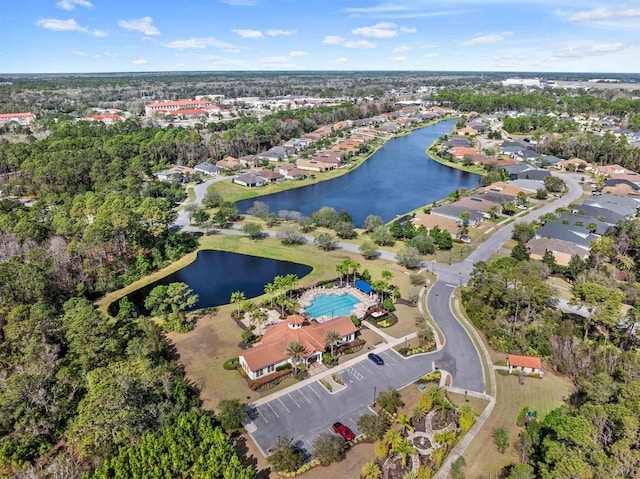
(521, 207)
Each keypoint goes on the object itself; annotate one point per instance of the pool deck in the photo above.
(359, 309)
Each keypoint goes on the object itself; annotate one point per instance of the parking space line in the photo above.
(274, 411)
(366, 369)
(389, 357)
(302, 394)
(314, 391)
(283, 405)
(262, 415)
(291, 397)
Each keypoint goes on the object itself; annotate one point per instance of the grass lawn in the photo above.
(540, 395)
(562, 287)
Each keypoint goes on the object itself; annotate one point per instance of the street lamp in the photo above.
(374, 396)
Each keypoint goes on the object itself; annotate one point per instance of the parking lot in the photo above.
(303, 414)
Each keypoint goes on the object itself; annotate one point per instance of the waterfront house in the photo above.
(250, 179)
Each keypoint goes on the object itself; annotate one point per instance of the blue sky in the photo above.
(60, 36)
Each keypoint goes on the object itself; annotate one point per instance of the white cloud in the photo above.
(431, 55)
(604, 13)
(398, 59)
(589, 50)
(408, 29)
(111, 54)
(79, 53)
(332, 40)
(252, 34)
(142, 25)
(359, 44)
(71, 4)
(482, 39)
(401, 49)
(429, 45)
(341, 60)
(69, 25)
(196, 43)
(140, 61)
(276, 32)
(379, 30)
(298, 53)
(395, 11)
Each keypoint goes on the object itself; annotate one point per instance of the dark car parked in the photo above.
(376, 359)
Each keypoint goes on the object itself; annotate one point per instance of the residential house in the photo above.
(264, 358)
(292, 172)
(600, 227)
(458, 141)
(509, 189)
(602, 214)
(250, 179)
(526, 172)
(176, 174)
(454, 212)
(208, 168)
(478, 204)
(230, 163)
(271, 176)
(621, 188)
(572, 163)
(562, 251)
(430, 221)
(277, 153)
(250, 161)
(617, 172)
(577, 235)
(524, 364)
(622, 205)
(315, 165)
(459, 152)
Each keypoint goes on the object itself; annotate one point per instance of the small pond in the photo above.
(214, 275)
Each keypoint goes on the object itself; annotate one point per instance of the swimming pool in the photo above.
(331, 305)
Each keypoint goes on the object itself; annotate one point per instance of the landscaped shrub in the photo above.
(522, 415)
(337, 379)
(326, 384)
(231, 364)
(284, 366)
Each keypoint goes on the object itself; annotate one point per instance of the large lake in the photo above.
(214, 275)
(398, 178)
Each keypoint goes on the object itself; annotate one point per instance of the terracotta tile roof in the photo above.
(524, 361)
(461, 151)
(311, 336)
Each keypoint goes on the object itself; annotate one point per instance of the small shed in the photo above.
(525, 364)
(363, 286)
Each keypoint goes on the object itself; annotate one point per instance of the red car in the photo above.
(343, 431)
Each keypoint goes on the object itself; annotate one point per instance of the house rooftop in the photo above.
(524, 361)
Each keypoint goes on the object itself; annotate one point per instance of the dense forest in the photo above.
(596, 433)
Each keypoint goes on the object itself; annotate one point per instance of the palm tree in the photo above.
(404, 449)
(405, 421)
(419, 411)
(259, 318)
(270, 288)
(333, 338)
(393, 438)
(371, 470)
(295, 352)
(355, 266)
(237, 297)
(387, 275)
(291, 280)
(280, 284)
(341, 269)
